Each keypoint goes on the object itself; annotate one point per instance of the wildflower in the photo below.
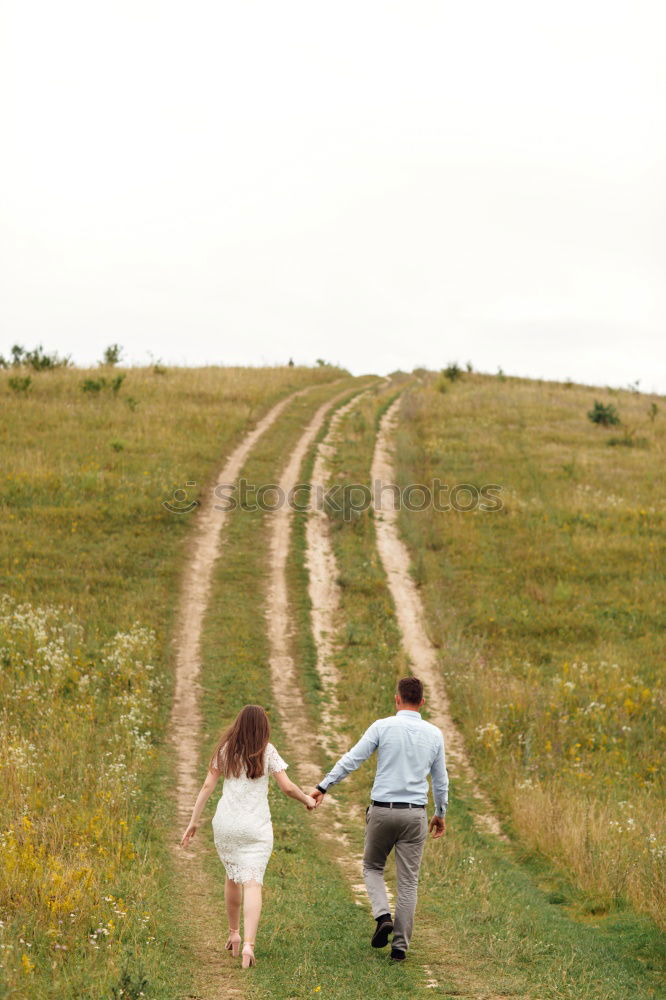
(490, 735)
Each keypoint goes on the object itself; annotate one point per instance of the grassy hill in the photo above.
(549, 613)
(547, 616)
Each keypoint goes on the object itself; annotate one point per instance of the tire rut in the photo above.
(411, 620)
(201, 914)
(288, 696)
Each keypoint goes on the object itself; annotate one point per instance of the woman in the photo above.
(242, 828)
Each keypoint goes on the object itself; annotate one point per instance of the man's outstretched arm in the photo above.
(349, 762)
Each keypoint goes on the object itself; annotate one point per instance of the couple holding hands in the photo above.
(409, 749)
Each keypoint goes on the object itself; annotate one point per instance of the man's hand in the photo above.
(318, 796)
(438, 826)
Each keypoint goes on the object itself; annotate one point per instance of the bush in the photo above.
(97, 384)
(36, 359)
(93, 384)
(112, 355)
(603, 414)
(20, 384)
(453, 372)
(629, 441)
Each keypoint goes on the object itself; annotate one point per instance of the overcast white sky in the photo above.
(380, 184)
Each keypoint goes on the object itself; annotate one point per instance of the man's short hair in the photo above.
(410, 690)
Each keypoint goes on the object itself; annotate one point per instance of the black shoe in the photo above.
(398, 955)
(384, 928)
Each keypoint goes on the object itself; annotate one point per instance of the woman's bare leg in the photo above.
(251, 910)
(233, 894)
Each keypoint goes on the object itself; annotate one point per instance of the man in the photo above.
(408, 750)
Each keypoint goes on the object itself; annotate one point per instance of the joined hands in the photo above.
(437, 825)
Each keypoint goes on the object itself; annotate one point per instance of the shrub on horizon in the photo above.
(453, 372)
(112, 355)
(36, 359)
(604, 414)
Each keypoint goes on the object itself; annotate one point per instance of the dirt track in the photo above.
(214, 978)
(288, 697)
(324, 591)
(409, 612)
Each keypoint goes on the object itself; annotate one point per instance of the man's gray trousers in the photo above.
(406, 831)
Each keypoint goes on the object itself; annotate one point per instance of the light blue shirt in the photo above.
(408, 750)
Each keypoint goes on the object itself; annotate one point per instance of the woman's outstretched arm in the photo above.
(287, 786)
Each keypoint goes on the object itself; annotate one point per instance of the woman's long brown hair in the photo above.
(242, 745)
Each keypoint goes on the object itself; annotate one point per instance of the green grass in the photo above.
(81, 520)
(487, 917)
(84, 828)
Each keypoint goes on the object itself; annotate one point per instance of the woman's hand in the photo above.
(310, 803)
(189, 833)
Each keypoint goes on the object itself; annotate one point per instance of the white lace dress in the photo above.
(242, 827)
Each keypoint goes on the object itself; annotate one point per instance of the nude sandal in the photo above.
(233, 943)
